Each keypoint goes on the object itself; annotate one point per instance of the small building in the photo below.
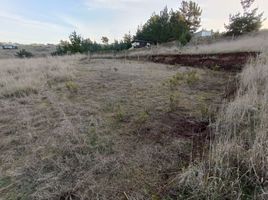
(9, 46)
(203, 33)
(140, 44)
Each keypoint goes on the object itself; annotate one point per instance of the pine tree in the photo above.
(191, 13)
(249, 21)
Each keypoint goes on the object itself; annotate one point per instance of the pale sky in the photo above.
(49, 21)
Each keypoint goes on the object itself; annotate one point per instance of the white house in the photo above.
(203, 33)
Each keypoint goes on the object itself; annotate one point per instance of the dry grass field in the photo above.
(36, 50)
(251, 42)
(73, 128)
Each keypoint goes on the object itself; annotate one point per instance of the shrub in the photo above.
(175, 80)
(24, 54)
(72, 86)
(120, 115)
(190, 78)
(143, 117)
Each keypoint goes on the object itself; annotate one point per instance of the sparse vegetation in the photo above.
(61, 147)
(24, 54)
(189, 77)
(143, 117)
(175, 80)
(38, 51)
(72, 86)
(110, 132)
(82, 127)
(120, 114)
(235, 167)
(24, 77)
(174, 100)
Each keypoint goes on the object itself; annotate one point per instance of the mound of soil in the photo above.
(225, 61)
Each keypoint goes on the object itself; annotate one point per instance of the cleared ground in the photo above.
(104, 129)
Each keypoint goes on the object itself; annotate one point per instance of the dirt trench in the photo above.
(233, 61)
(223, 61)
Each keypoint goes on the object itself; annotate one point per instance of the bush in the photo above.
(72, 87)
(24, 54)
(190, 78)
(120, 114)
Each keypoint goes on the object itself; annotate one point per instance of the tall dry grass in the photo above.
(250, 42)
(238, 159)
(36, 50)
(19, 77)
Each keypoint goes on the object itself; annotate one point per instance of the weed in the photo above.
(174, 100)
(108, 107)
(155, 197)
(99, 144)
(206, 113)
(21, 92)
(143, 117)
(72, 86)
(191, 77)
(216, 68)
(4, 182)
(29, 76)
(175, 80)
(120, 114)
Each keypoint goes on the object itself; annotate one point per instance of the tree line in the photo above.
(77, 44)
(163, 27)
(168, 25)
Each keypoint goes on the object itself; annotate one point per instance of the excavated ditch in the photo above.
(223, 61)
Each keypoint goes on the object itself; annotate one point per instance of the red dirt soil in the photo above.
(225, 61)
